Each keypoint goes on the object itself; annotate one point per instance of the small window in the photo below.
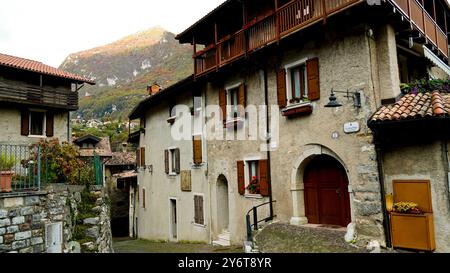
(143, 198)
(120, 184)
(253, 177)
(298, 83)
(37, 121)
(198, 210)
(173, 160)
(233, 102)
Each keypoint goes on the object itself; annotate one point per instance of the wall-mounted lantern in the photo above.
(333, 103)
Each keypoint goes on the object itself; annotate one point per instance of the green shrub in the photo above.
(7, 162)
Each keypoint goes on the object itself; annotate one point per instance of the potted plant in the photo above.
(406, 207)
(6, 174)
(253, 186)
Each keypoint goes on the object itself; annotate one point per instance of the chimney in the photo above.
(124, 147)
(153, 89)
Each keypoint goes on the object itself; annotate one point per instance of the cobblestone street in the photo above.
(127, 245)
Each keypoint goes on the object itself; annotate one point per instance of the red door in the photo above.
(326, 192)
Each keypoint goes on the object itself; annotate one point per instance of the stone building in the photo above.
(318, 70)
(35, 100)
(172, 191)
(321, 165)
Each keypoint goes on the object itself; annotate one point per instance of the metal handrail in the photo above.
(255, 219)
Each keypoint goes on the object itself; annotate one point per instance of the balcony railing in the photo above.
(31, 95)
(414, 11)
(20, 168)
(256, 34)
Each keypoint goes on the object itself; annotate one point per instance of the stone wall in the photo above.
(23, 221)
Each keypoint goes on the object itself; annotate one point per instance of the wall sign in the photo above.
(351, 127)
(186, 184)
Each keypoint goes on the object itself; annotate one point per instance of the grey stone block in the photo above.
(22, 235)
(37, 240)
(1, 239)
(18, 220)
(2, 231)
(4, 248)
(38, 248)
(5, 222)
(14, 212)
(19, 244)
(3, 213)
(92, 232)
(13, 229)
(368, 208)
(91, 221)
(32, 200)
(27, 211)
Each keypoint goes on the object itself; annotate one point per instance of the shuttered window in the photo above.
(49, 126)
(298, 82)
(172, 161)
(143, 198)
(198, 210)
(25, 123)
(312, 67)
(241, 177)
(142, 156)
(197, 149)
(138, 157)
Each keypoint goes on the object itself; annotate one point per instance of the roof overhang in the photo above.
(435, 60)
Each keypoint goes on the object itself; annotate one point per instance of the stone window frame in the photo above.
(247, 175)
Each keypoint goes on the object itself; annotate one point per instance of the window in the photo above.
(37, 122)
(252, 185)
(233, 102)
(252, 176)
(172, 161)
(299, 86)
(143, 198)
(198, 210)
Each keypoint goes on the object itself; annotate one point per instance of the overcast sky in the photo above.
(49, 30)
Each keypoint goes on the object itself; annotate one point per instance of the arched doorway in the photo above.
(222, 204)
(326, 194)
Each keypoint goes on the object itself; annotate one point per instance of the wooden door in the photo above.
(326, 192)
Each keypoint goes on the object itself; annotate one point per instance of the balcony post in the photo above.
(195, 58)
(39, 169)
(216, 38)
(277, 22)
(324, 10)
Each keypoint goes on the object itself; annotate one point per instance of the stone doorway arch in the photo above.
(297, 176)
(223, 212)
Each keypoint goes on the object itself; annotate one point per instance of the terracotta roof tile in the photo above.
(38, 67)
(410, 106)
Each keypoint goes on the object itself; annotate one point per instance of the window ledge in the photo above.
(234, 123)
(171, 120)
(36, 136)
(253, 196)
(199, 225)
(172, 175)
(298, 108)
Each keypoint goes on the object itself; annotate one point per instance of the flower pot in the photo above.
(5, 181)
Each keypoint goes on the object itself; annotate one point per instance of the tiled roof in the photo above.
(126, 174)
(121, 158)
(411, 106)
(102, 149)
(38, 67)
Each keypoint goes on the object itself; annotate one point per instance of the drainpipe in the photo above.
(266, 101)
(386, 220)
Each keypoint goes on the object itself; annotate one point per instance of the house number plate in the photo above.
(351, 127)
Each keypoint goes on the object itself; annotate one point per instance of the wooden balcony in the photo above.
(36, 96)
(256, 34)
(419, 17)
